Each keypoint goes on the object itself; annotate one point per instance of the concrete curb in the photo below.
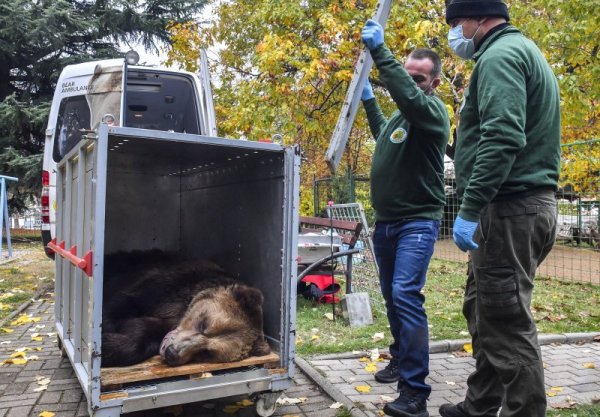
(329, 389)
(443, 346)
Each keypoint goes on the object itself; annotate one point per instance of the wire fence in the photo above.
(365, 274)
(575, 256)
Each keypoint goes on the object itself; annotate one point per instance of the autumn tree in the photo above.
(284, 67)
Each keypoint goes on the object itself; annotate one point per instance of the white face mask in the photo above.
(463, 47)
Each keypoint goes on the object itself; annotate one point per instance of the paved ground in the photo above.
(336, 378)
(567, 377)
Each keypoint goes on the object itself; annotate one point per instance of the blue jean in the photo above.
(403, 250)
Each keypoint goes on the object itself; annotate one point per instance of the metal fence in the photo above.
(575, 257)
(576, 254)
(365, 274)
(342, 189)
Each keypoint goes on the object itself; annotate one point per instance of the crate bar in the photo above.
(290, 262)
(96, 289)
(160, 135)
(182, 392)
(65, 235)
(78, 273)
(58, 267)
(348, 114)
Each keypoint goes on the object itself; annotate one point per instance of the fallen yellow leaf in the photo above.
(589, 365)
(553, 391)
(371, 367)
(18, 354)
(245, 403)
(24, 319)
(468, 348)
(363, 388)
(231, 409)
(47, 414)
(16, 361)
(37, 338)
(363, 359)
(5, 330)
(314, 337)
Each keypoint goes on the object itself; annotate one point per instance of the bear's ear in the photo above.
(247, 297)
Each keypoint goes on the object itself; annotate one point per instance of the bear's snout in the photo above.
(171, 356)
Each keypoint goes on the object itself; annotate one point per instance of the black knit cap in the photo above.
(475, 8)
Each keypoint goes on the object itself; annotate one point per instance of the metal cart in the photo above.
(231, 201)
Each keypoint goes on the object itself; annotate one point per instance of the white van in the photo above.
(149, 98)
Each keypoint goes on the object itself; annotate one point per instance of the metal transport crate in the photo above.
(231, 201)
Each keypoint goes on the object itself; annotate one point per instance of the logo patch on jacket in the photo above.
(399, 135)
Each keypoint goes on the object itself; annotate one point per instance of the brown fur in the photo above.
(205, 314)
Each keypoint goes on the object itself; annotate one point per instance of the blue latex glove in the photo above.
(367, 92)
(372, 34)
(463, 234)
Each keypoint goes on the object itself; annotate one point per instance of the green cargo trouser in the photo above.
(514, 237)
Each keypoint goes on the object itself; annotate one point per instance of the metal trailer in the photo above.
(232, 201)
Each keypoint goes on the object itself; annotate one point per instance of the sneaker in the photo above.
(452, 410)
(407, 405)
(389, 374)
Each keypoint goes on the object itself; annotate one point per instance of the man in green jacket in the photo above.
(407, 192)
(507, 163)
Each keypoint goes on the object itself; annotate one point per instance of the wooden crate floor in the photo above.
(154, 368)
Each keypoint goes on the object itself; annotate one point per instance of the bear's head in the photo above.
(222, 324)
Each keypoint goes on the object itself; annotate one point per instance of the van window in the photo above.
(73, 119)
(161, 101)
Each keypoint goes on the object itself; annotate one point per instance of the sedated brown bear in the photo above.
(185, 310)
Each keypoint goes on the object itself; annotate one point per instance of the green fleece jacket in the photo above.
(407, 172)
(509, 132)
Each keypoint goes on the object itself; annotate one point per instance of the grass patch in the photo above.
(558, 307)
(579, 411)
(22, 277)
(343, 412)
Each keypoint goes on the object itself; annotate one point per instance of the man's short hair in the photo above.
(425, 53)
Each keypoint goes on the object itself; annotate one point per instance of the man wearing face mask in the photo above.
(507, 164)
(407, 192)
